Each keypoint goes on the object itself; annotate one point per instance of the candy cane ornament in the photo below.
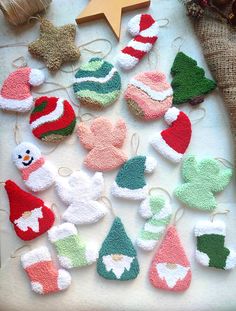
(145, 29)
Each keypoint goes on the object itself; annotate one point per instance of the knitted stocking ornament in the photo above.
(117, 256)
(173, 142)
(144, 29)
(211, 250)
(149, 95)
(81, 192)
(15, 93)
(159, 214)
(97, 84)
(130, 182)
(52, 119)
(104, 141)
(189, 82)
(71, 250)
(45, 278)
(202, 179)
(170, 268)
(37, 173)
(30, 217)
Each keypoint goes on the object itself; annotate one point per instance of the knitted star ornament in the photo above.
(117, 256)
(37, 173)
(202, 179)
(170, 268)
(44, 276)
(97, 84)
(211, 250)
(158, 212)
(104, 141)
(173, 142)
(15, 93)
(55, 45)
(189, 82)
(29, 215)
(149, 95)
(130, 182)
(81, 192)
(53, 119)
(71, 250)
(144, 29)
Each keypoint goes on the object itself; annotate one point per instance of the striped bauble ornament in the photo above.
(52, 119)
(97, 84)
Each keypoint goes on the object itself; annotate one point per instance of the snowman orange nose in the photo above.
(26, 158)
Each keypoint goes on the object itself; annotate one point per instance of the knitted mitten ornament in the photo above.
(149, 95)
(144, 29)
(37, 173)
(173, 142)
(211, 251)
(52, 119)
(81, 192)
(45, 278)
(71, 250)
(170, 268)
(15, 93)
(202, 180)
(130, 182)
(159, 214)
(97, 84)
(104, 142)
(189, 82)
(117, 256)
(30, 217)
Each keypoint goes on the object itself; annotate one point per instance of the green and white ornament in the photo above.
(97, 84)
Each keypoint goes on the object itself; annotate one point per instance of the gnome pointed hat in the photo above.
(23, 205)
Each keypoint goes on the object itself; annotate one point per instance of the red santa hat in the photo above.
(15, 93)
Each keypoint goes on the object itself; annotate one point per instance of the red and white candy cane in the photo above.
(145, 29)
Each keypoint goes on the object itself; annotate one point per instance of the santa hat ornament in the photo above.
(173, 142)
(170, 268)
(30, 217)
(15, 92)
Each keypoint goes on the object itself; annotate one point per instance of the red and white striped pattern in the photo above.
(145, 29)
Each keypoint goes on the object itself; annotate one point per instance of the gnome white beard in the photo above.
(117, 266)
(171, 275)
(32, 221)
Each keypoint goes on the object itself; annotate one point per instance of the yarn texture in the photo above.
(71, 250)
(202, 180)
(81, 192)
(53, 119)
(44, 277)
(55, 45)
(117, 256)
(37, 173)
(173, 142)
(149, 95)
(29, 215)
(170, 268)
(189, 82)
(104, 141)
(97, 84)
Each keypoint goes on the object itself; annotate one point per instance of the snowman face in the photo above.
(25, 154)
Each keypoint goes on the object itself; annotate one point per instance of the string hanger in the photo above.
(108, 203)
(177, 43)
(197, 120)
(177, 218)
(163, 22)
(135, 142)
(163, 190)
(15, 253)
(225, 162)
(218, 213)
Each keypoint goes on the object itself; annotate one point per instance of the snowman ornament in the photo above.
(37, 173)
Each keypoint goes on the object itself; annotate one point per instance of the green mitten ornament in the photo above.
(117, 256)
(211, 251)
(189, 82)
(202, 180)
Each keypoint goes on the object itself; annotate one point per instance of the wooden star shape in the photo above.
(55, 45)
(111, 10)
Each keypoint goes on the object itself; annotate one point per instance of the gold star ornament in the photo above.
(55, 45)
(111, 10)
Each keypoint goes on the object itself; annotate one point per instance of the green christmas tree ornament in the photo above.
(189, 82)
(202, 180)
(117, 256)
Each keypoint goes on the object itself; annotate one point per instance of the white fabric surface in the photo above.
(210, 289)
